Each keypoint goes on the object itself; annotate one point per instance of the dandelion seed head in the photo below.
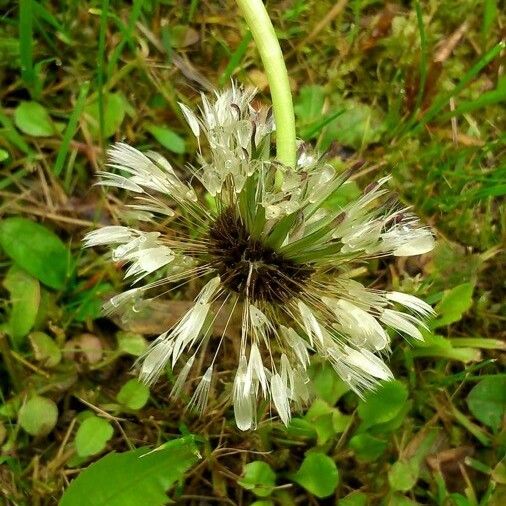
(264, 246)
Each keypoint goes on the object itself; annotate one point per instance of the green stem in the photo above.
(259, 23)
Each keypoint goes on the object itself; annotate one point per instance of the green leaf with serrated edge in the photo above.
(37, 250)
(133, 394)
(487, 401)
(318, 474)
(25, 299)
(259, 478)
(38, 416)
(92, 436)
(132, 478)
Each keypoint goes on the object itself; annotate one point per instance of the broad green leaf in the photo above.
(133, 394)
(33, 119)
(367, 448)
(37, 250)
(487, 401)
(358, 125)
(259, 478)
(114, 114)
(92, 436)
(25, 299)
(38, 416)
(45, 349)
(403, 476)
(318, 474)
(167, 138)
(453, 305)
(133, 478)
(309, 104)
(4, 155)
(131, 343)
(393, 424)
(383, 404)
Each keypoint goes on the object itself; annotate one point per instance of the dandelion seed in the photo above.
(270, 246)
(201, 394)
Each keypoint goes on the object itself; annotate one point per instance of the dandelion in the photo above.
(266, 244)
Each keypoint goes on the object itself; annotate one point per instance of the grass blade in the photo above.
(236, 58)
(71, 128)
(442, 101)
(101, 65)
(485, 100)
(489, 17)
(128, 36)
(26, 44)
(423, 57)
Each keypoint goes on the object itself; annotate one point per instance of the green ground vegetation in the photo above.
(413, 88)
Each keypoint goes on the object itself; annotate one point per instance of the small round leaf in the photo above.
(45, 349)
(131, 343)
(383, 404)
(92, 436)
(318, 474)
(487, 401)
(259, 478)
(38, 416)
(403, 475)
(33, 119)
(133, 394)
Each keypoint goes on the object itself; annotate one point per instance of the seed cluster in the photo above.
(248, 267)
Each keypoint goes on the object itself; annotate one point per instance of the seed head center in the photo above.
(249, 267)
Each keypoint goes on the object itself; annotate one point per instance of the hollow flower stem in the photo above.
(267, 43)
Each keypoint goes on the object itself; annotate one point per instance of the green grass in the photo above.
(368, 89)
